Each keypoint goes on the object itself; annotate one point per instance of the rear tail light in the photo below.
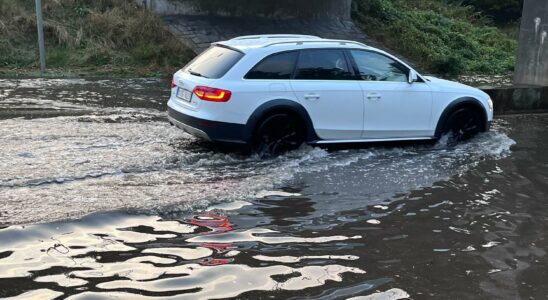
(212, 94)
(173, 83)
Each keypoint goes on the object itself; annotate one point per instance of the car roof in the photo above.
(251, 42)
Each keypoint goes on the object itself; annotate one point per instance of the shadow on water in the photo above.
(188, 222)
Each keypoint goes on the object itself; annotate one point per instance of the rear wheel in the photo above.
(462, 125)
(277, 134)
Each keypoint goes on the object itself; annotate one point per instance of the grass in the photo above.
(88, 37)
(443, 37)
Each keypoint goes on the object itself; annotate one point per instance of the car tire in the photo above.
(462, 125)
(277, 134)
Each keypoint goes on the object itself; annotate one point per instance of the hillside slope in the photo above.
(115, 37)
(107, 37)
(442, 36)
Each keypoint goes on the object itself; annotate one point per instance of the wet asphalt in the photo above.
(101, 198)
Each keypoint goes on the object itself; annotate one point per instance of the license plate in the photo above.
(183, 94)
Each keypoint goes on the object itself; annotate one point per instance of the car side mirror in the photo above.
(413, 77)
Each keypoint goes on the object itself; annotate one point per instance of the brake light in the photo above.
(212, 94)
(173, 83)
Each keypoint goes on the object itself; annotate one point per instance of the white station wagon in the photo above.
(276, 92)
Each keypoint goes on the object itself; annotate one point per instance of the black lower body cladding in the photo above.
(214, 131)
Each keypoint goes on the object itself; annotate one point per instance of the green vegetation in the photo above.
(91, 37)
(115, 37)
(442, 36)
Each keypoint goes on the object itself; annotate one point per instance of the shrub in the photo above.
(443, 38)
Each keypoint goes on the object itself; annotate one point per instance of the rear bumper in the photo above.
(214, 131)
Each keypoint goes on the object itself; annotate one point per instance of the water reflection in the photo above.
(116, 255)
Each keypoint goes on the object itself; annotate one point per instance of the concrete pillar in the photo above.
(532, 63)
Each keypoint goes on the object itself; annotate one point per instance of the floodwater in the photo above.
(101, 198)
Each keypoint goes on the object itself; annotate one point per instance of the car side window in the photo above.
(377, 67)
(277, 66)
(323, 64)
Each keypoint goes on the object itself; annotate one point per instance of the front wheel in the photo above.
(278, 134)
(462, 125)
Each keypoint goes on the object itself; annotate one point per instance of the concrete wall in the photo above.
(532, 64)
(274, 9)
(511, 100)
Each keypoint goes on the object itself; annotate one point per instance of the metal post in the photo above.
(40, 26)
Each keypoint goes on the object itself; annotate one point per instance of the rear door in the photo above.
(325, 85)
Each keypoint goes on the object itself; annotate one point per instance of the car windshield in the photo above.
(214, 62)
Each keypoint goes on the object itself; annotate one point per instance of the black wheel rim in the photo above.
(278, 134)
(462, 126)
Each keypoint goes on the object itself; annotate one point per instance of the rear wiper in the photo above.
(196, 74)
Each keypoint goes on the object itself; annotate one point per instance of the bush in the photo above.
(443, 38)
(451, 65)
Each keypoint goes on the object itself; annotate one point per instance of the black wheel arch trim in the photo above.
(280, 104)
(453, 106)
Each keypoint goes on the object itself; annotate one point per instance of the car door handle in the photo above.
(374, 96)
(312, 96)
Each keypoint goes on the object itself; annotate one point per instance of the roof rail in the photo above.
(275, 36)
(300, 42)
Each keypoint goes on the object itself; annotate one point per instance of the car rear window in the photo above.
(214, 63)
(278, 66)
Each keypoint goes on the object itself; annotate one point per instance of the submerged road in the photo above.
(101, 197)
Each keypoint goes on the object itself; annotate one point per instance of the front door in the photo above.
(393, 108)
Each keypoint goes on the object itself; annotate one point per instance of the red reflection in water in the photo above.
(219, 248)
(217, 224)
(215, 262)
